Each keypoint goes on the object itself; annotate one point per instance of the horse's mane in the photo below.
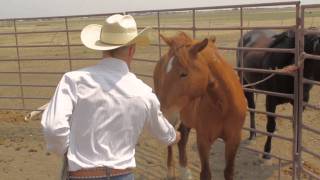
(182, 39)
(278, 38)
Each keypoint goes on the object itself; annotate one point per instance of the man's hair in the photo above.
(118, 50)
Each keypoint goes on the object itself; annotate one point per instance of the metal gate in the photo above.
(64, 49)
(303, 127)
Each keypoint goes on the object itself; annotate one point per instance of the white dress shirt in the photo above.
(97, 114)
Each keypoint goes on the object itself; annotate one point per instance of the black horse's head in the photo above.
(312, 42)
(312, 46)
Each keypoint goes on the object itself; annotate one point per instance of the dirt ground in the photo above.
(23, 156)
(23, 152)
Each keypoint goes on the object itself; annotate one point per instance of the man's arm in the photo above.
(158, 125)
(56, 118)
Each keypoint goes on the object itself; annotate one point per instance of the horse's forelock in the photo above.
(181, 39)
(180, 44)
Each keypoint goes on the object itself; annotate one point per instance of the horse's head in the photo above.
(312, 42)
(182, 73)
(312, 46)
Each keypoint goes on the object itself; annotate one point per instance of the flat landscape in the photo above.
(22, 149)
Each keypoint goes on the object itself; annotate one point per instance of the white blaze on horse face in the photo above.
(169, 66)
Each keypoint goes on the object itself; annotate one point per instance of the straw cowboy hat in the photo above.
(117, 31)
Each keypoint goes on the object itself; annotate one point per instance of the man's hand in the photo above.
(178, 137)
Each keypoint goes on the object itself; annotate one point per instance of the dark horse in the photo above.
(276, 60)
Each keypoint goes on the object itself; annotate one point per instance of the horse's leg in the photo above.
(171, 173)
(251, 105)
(65, 167)
(170, 164)
(185, 173)
(271, 124)
(204, 150)
(231, 147)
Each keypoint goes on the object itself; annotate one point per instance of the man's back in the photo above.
(109, 114)
(111, 106)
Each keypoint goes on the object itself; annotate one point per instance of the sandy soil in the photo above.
(23, 154)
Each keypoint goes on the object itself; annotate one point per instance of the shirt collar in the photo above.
(115, 64)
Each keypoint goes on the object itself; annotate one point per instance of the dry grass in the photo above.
(223, 18)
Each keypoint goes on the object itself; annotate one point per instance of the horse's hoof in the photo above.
(250, 142)
(266, 156)
(171, 178)
(185, 173)
(171, 173)
(252, 136)
(267, 162)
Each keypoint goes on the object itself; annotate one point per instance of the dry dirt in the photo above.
(23, 152)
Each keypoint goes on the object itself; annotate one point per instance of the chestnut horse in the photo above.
(194, 80)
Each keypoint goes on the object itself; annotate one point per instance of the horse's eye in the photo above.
(182, 75)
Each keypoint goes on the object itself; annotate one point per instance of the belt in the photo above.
(99, 172)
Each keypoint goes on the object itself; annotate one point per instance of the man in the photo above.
(97, 113)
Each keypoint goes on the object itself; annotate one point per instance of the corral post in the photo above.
(19, 64)
(279, 169)
(68, 42)
(159, 39)
(193, 23)
(297, 91)
(301, 84)
(241, 43)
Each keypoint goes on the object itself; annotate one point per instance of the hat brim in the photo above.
(90, 37)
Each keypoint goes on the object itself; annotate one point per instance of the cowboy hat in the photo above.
(117, 31)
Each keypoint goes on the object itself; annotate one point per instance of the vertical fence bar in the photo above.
(241, 44)
(295, 148)
(279, 169)
(193, 23)
(301, 84)
(68, 42)
(159, 39)
(19, 62)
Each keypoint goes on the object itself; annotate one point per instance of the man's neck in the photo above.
(122, 58)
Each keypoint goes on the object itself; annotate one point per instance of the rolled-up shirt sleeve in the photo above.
(56, 117)
(157, 124)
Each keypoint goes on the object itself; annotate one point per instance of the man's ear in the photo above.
(198, 47)
(167, 40)
(132, 50)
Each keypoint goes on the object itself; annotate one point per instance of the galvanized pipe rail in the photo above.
(288, 3)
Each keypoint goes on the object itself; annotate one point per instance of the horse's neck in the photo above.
(219, 89)
(217, 98)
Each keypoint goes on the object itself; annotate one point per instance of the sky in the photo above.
(45, 8)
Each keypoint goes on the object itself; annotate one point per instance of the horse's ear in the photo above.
(195, 49)
(212, 38)
(168, 41)
(185, 35)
